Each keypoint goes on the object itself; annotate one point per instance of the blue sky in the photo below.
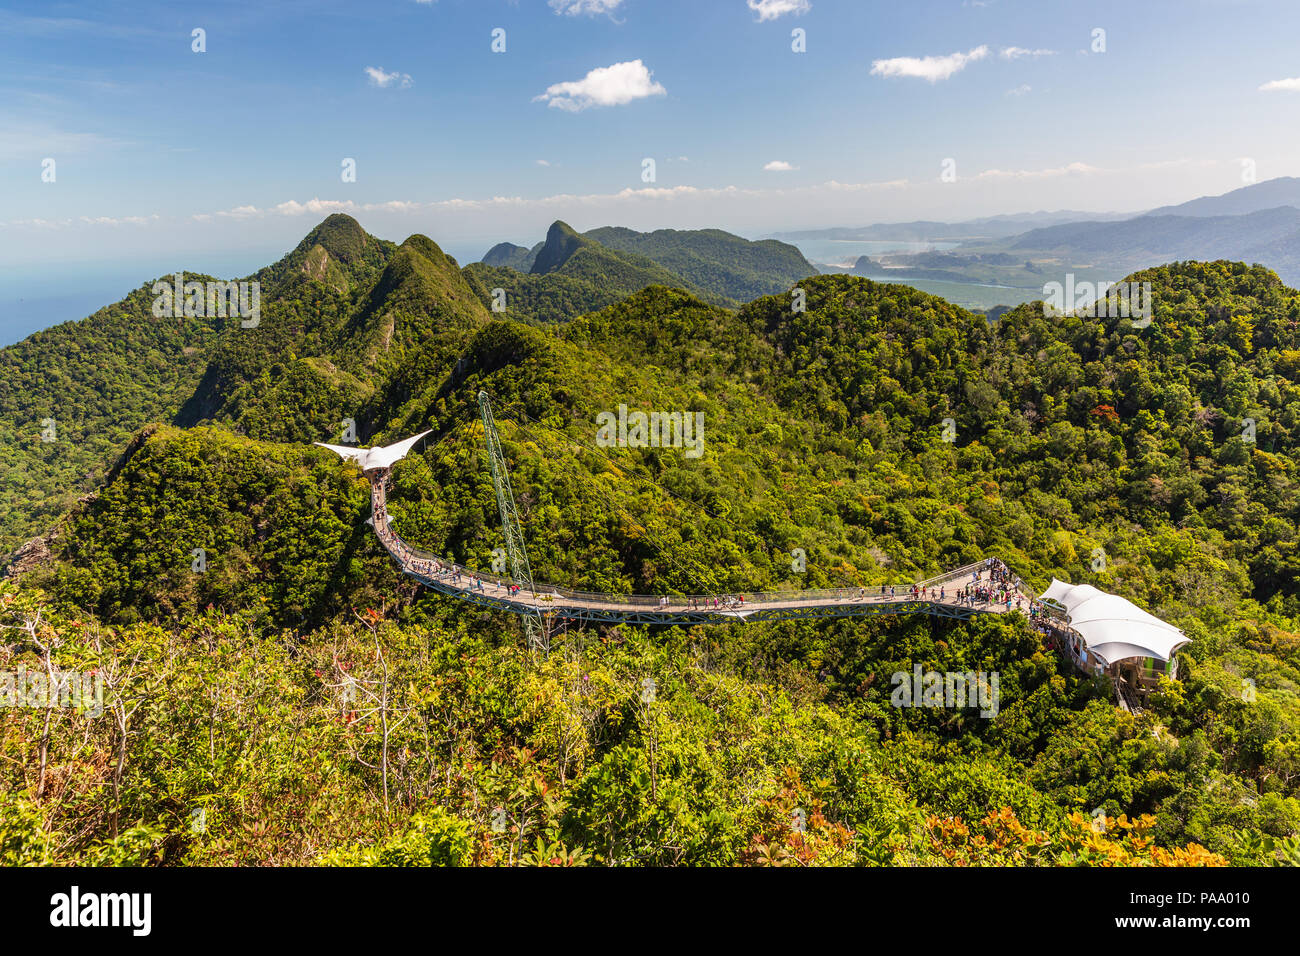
(221, 160)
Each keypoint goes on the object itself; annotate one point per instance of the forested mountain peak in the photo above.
(421, 277)
(324, 351)
(341, 236)
(562, 241)
(502, 252)
(511, 255)
(421, 292)
(338, 252)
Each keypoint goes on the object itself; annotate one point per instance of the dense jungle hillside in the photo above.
(267, 669)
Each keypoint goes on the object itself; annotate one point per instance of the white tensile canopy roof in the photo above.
(371, 458)
(1112, 627)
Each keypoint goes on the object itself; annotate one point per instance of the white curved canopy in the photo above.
(370, 458)
(1112, 627)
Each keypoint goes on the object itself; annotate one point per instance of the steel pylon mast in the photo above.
(516, 552)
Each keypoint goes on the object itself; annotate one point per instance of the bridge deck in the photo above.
(545, 599)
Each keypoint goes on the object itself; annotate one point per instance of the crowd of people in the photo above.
(716, 602)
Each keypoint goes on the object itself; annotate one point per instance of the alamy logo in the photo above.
(212, 300)
(953, 690)
(653, 430)
(134, 910)
(1118, 300)
(67, 689)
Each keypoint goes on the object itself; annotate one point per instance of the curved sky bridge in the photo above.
(501, 593)
(1099, 631)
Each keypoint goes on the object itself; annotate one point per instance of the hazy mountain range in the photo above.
(1258, 223)
(922, 230)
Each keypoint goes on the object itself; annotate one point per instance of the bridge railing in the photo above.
(427, 563)
(955, 573)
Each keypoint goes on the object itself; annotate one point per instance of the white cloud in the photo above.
(1070, 169)
(316, 207)
(932, 68)
(1020, 90)
(605, 86)
(591, 8)
(118, 221)
(393, 205)
(1015, 52)
(384, 80)
(779, 166)
(771, 9)
(543, 162)
(1291, 85)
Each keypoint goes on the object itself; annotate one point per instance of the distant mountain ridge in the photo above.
(569, 274)
(929, 230)
(1270, 237)
(1259, 223)
(738, 268)
(511, 256)
(1177, 237)
(719, 264)
(1256, 197)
